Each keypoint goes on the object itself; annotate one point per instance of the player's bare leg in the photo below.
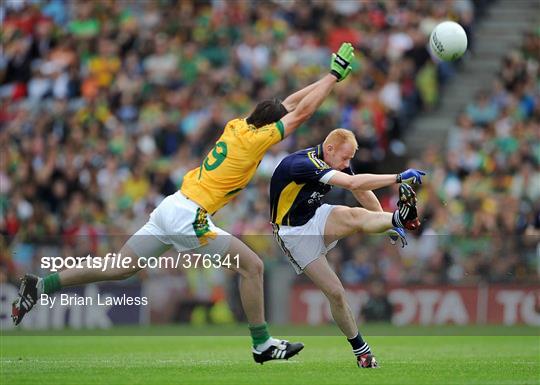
(251, 270)
(344, 221)
(322, 275)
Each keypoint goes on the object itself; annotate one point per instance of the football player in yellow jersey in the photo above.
(183, 221)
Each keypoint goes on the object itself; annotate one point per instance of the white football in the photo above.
(448, 41)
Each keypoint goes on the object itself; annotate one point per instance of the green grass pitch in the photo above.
(156, 355)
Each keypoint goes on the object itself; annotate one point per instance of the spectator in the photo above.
(378, 308)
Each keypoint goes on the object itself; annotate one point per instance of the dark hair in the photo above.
(266, 112)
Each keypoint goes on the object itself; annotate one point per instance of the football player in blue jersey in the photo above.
(306, 229)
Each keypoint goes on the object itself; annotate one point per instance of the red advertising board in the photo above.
(431, 305)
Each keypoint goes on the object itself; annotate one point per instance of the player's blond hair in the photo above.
(339, 136)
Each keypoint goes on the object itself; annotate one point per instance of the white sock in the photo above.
(269, 342)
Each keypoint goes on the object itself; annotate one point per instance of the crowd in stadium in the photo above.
(105, 106)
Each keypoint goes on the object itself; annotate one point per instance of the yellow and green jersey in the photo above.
(231, 164)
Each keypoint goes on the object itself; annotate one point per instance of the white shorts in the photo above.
(304, 244)
(180, 223)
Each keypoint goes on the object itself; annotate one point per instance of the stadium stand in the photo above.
(105, 106)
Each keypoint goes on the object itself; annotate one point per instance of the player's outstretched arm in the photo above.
(339, 70)
(308, 105)
(292, 101)
(362, 182)
(366, 182)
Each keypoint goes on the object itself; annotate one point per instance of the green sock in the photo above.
(259, 334)
(51, 283)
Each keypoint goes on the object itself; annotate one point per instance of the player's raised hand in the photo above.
(341, 61)
(409, 176)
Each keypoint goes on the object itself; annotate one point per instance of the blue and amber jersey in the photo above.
(231, 164)
(298, 185)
